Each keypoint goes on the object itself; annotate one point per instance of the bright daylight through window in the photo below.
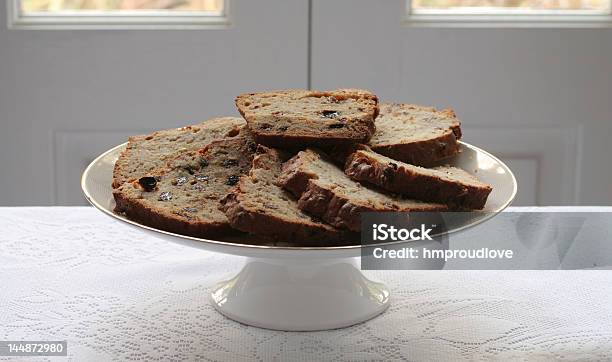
(117, 14)
(119, 6)
(511, 6)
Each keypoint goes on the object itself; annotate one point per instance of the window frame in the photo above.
(508, 18)
(152, 20)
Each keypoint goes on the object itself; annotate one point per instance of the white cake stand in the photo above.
(299, 288)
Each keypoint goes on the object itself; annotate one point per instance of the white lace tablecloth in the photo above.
(114, 294)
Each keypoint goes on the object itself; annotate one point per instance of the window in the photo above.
(114, 6)
(117, 13)
(532, 12)
(514, 6)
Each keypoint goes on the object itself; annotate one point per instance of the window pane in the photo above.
(527, 5)
(59, 6)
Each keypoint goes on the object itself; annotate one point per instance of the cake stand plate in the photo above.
(297, 288)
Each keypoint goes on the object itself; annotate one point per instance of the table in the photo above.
(71, 273)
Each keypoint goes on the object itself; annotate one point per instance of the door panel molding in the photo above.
(555, 151)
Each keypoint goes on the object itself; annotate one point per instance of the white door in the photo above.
(538, 97)
(67, 95)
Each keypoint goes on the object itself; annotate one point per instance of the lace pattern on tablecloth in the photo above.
(115, 293)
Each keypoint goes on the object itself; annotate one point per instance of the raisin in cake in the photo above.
(183, 196)
(298, 118)
(326, 192)
(148, 152)
(444, 184)
(258, 206)
(416, 135)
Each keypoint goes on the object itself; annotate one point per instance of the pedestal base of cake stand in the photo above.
(300, 295)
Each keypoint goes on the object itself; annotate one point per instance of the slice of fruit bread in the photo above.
(259, 206)
(148, 152)
(416, 135)
(183, 196)
(444, 184)
(299, 118)
(325, 191)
